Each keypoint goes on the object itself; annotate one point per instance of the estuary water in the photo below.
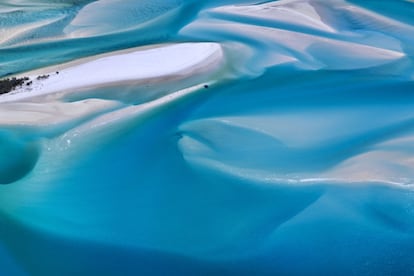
(207, 137)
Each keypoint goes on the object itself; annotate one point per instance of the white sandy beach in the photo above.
(161, 63)
(170, 61)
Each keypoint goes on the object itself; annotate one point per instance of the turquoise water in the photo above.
(297, 160)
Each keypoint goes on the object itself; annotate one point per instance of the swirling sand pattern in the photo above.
(283, 147)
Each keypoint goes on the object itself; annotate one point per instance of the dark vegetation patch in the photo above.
(42, 77)
(9, 84)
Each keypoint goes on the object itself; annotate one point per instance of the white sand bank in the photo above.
(36, 104)
(167, 62)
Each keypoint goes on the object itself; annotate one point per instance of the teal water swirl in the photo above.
(292, 155)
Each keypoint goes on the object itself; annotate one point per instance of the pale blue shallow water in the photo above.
(297, 161)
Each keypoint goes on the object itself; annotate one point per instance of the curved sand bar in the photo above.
(172, 61)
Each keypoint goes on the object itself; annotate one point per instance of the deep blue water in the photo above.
(298, 160)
